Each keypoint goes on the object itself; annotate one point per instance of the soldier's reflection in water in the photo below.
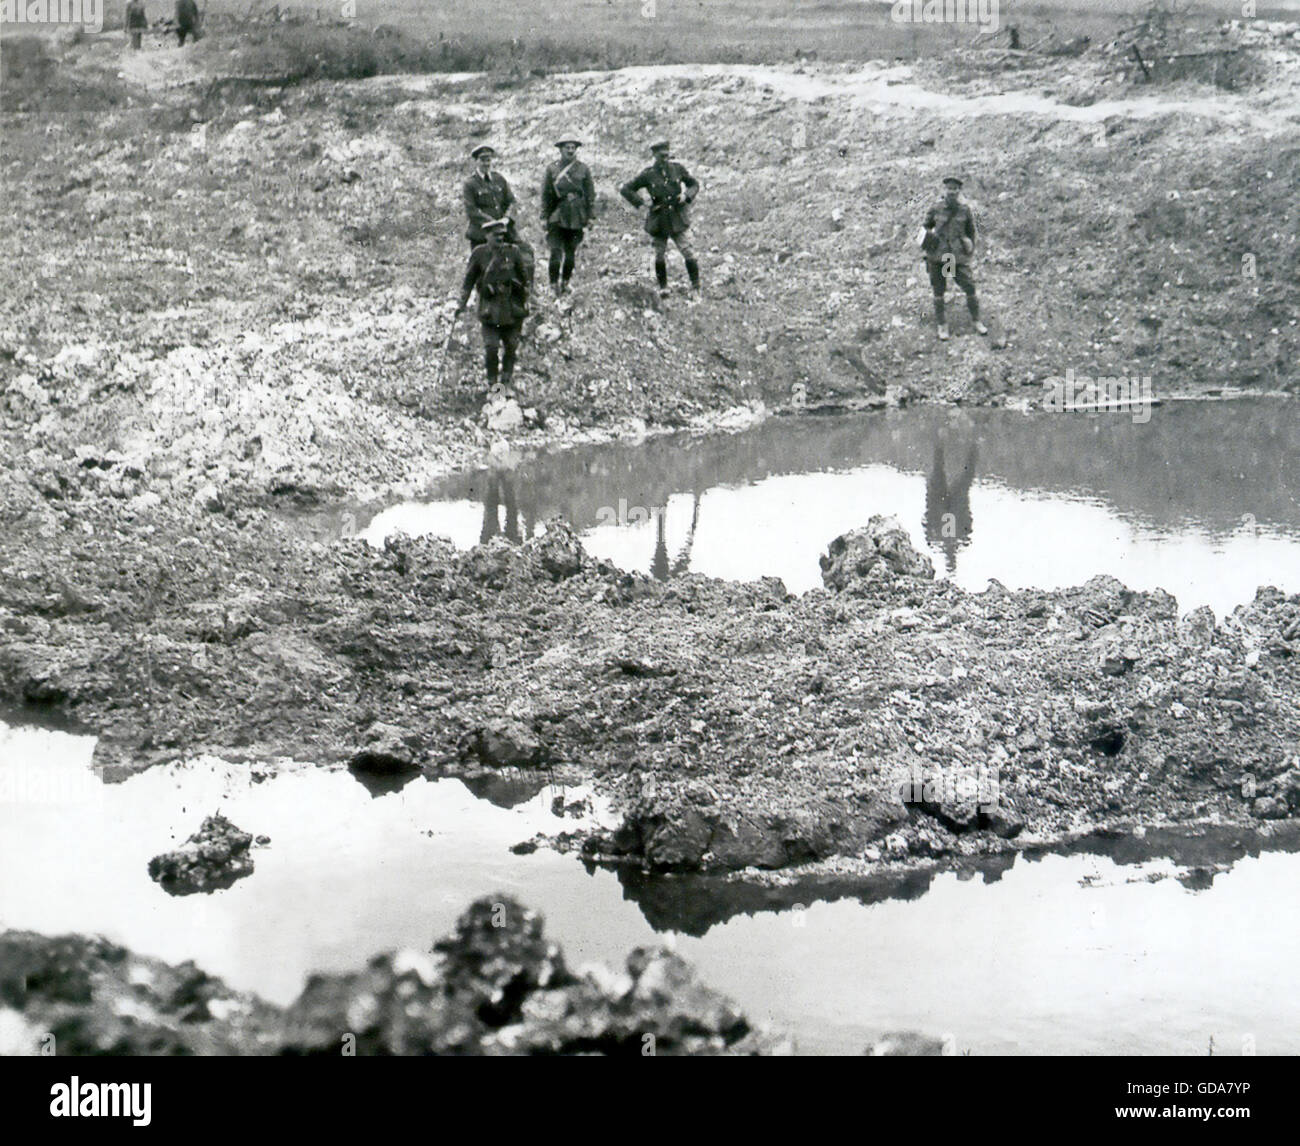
(499, 490)
(660, 566)
(947, 505)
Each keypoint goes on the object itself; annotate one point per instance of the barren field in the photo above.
(619, 32)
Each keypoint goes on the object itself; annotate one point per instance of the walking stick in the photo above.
(446, 346)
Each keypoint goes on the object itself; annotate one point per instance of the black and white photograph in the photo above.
(650, 528)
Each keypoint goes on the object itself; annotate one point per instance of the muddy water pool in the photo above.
(1202, 500)
(1090, 952)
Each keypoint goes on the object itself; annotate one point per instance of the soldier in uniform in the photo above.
(948, 243)
(136, 22)
(568, 203)
(496, 268)
(672, 190)
(187, 20)
(487, 196)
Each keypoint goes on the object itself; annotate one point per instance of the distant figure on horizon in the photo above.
(136, 22)
(948, 521)
(187, 20)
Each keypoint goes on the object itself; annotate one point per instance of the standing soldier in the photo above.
(671, 191)
(948, 243)
(136, 22)
(187, 20)
(568, 203)
(488, 197)
(496, 267)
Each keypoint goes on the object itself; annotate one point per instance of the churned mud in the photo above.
(736, 725)
(226, 300)
(496, 986)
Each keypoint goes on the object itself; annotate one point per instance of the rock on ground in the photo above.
(389, 751)
(880, 551)
(212, 858)
(504, 743)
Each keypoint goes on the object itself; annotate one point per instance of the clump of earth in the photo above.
(214, 857)
(495, 986)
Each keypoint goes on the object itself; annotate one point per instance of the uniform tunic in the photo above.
(485, 200)
(568, 195)
(950, 230)
(502, 280)
(665, 182)
(950, 225)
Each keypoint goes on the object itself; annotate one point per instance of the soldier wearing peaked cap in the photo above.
(496, 268)
(568, 203)
(671, 189)
(487, 197)
(948, 242)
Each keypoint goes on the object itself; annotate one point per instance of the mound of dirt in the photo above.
(212, 858)
(882, 549)
(496, 986)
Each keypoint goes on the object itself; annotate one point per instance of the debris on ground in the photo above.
(495, 986)
(212, 858)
